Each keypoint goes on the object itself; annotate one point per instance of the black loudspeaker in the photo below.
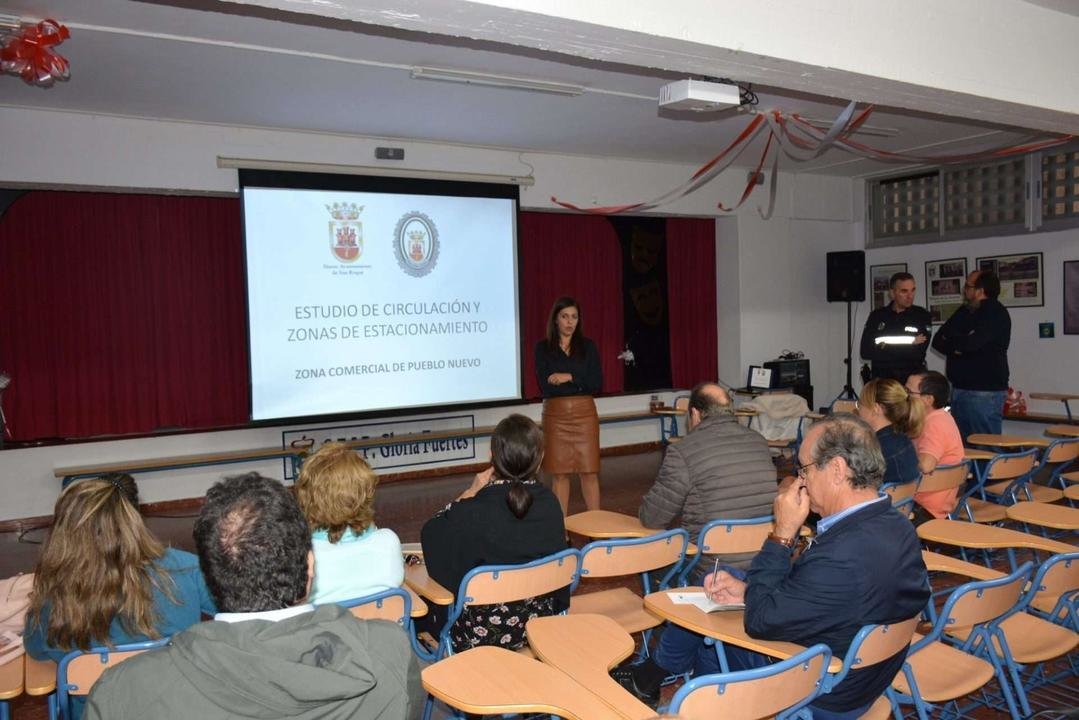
(846, 276)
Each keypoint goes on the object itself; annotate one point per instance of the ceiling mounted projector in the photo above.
(699, 95)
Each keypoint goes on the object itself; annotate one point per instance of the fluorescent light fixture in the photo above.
(502, 81)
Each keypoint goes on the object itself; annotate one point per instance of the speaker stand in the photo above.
(847, 393)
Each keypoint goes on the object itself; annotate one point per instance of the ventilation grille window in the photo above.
(907, 206)
(1060, 185)
(985, 195)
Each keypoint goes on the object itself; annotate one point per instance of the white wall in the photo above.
(771, 289)
(1036, 365)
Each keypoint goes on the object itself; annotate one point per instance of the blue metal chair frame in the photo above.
(704, 548)
(904, 506)
(405, 621)
(721, 680)
(975, 644)
(1008, 497)
(852, 660)
(445, 645)
(62, 706)
(609, 546)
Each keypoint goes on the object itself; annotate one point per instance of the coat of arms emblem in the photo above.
(346, 231)
(415, 244)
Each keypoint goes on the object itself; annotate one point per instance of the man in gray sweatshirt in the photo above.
(267, 654)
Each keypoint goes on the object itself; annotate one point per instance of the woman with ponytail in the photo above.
(103, 579)
(897, 417)
(506, 517)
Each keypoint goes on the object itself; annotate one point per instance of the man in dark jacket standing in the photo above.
(974, 343)
(896, 336)
(267, 654)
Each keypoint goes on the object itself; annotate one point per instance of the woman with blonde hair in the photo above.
(353, 557)
(896, 417)
(104, 579)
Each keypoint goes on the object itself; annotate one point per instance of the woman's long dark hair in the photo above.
(576, 342)
(516, 453)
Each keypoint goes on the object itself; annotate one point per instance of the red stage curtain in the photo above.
(576, 255)
(122, 314)
(691, 292)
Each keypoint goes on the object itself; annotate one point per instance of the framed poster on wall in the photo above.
(944, 287)
(1021, 278)
(1071, 297)
(879, 277)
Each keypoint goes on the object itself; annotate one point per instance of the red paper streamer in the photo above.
(29, 53)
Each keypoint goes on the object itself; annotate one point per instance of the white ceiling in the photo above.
(203, 61)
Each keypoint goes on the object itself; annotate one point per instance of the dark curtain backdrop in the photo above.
(125, 313)
(644, 301)
(122, 313)
(691, 289)
(576, 255)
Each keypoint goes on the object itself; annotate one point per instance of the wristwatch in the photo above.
(785, 542)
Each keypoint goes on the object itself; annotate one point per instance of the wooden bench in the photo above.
(146, 465)
(298, 451)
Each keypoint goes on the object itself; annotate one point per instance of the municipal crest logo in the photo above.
(415, 244)
(346, 231)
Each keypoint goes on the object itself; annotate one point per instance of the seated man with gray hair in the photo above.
(267, 654)
(864, 567)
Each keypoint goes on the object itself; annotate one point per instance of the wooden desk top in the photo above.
(419, 607)
(585, 647)
(1072, 492)
(936, 562)
(727, 626)
(417, 579)
(1006, 441)
(1046, 515)
(492, 681)
(40, 676)
(1063, 430)
(604, 524)
(1060, 397)
(11, 678)
(976, 535)
(974, 454)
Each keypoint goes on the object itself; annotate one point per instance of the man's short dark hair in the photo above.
(849, 437)
(705, 402)
(898, 278)
(937, 387)
(253, 541)
(989, 282)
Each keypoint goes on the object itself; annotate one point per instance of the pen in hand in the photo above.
(715, 569)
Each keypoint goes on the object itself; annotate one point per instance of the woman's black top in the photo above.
(900, 457)
(584, 367)
(482, 530)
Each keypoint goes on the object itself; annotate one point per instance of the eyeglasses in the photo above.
(801, 470)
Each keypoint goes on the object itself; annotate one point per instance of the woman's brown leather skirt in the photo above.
(571, 435)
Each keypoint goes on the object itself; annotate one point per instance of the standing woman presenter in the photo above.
(569, 374)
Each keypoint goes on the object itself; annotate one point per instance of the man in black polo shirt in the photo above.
(975, 342)
(896, 336)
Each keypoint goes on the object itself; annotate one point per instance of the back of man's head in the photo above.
(253, 543)
(936, 386)
(709, 399)
(989, 282)
(849, 437)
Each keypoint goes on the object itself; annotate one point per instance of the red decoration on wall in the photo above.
(28, 53)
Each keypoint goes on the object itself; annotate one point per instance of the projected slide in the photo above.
(364, 301)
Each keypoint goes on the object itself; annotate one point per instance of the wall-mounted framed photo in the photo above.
(1021, 279)
(1071, 297)
(944, 281)
(879, 277)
